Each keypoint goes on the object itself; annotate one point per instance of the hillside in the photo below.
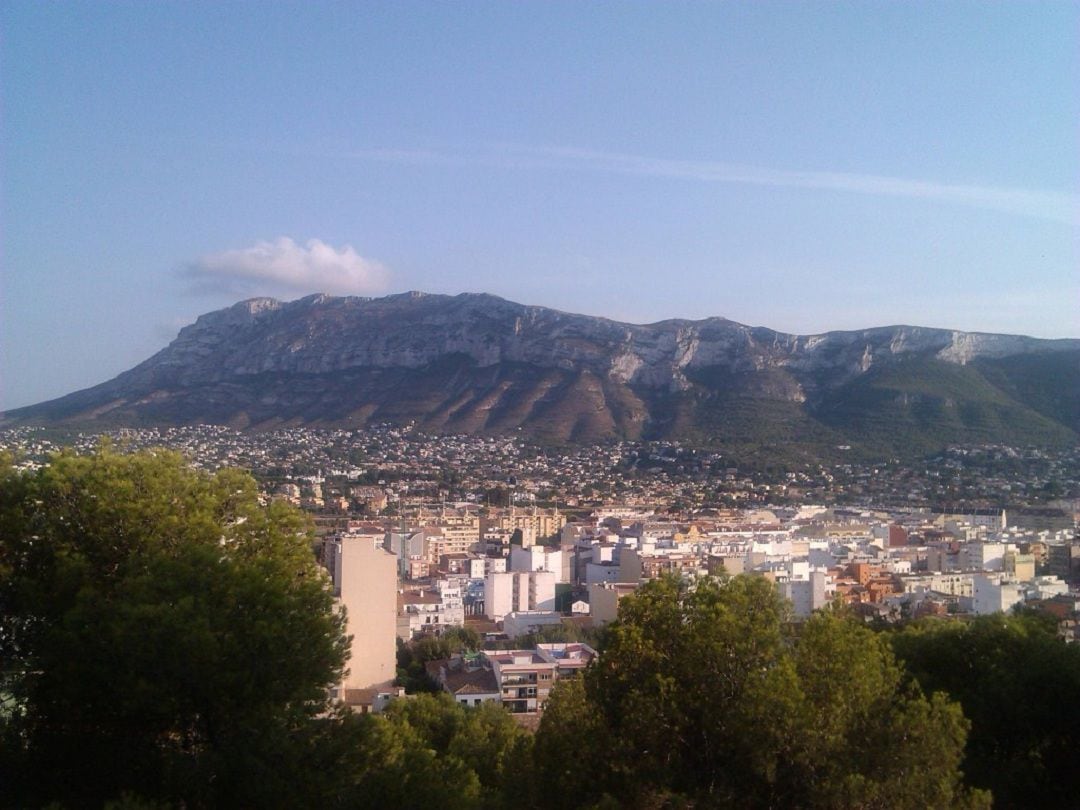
(479, 364)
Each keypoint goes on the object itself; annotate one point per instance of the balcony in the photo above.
(520, 706)
(516, 680)
(519, 693)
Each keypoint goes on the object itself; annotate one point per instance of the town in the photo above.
(511, 542)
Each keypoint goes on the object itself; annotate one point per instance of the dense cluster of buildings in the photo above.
(511, 572)
(422, 534)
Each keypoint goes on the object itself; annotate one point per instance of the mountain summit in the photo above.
(475, 363)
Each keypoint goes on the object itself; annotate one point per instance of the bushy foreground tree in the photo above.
(162, 634)
(1019, 685)
(704, 697)
(167, 641)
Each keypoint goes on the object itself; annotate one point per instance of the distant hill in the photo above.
(476, 363)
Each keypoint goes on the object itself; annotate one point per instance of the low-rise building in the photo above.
(524, 679)
(469, 678)
(430, 610)
(995, 594)
(570, 658)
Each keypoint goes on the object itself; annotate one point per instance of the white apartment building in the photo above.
(984, 556)
(952, 584)
(994, 594)
(1046, 588)
(808, 593)
(601, 572)
(537, 558)
(518, 591)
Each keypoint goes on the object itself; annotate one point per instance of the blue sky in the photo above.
(803, 166)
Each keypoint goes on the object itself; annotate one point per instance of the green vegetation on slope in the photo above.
(1047, 383)
(918, 406)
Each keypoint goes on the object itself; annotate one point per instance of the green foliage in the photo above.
(462, 638)
(570, 750)
(1018, 685)
(919, 406)
(707, 696)
(162, 635)
(867, 738)
(1049, 383)
(474, 752)
(755, 428)
(413, 655)
(562, 633)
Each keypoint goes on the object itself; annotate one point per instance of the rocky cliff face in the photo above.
(480, 363)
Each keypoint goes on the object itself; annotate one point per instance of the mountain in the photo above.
(476, 363)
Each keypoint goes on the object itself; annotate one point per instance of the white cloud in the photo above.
(282, 267)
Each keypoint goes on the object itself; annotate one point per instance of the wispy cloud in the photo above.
(1043, 204)
(1050, 205)
(283, 267)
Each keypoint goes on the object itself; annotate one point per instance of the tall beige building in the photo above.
(365, 579)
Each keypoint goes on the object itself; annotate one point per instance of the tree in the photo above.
(569, 752)
(707, 695)
(867, 736)
(413, 656)
(1018, 684)
(162, 634)
(475, 752)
